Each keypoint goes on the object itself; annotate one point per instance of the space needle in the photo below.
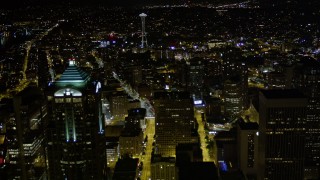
(143, 32)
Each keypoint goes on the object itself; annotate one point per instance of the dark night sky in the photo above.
(26, 3)
(131, 3)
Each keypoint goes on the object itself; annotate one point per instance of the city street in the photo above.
(202, 134)
(150, 130)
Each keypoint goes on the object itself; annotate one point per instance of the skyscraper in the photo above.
(307, 79)
(174, 120)
(196, 78)
(75, 132)
(282, 134)
(247, 138)
(24, 135)
(232, 95)
(233, 65)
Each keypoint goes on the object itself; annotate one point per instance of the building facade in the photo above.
(247, 138)
(232, 96)
(130, 142)
(174, 118)
(163, 168)
(282, 134)
(307, 79)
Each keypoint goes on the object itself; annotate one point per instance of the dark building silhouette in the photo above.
(198, 170)
(75, 132)
(24, 136)
(43, 70)
(188, 152)
(282, 134)
(226, 142)
(180, 75)
(213, 106)
(136, 118)
(126, 169)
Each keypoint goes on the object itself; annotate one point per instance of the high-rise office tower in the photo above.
(181, 73)
(174, 120)
(24, 136)
(75, 131)
(119, 105)
(131, 138)
(232, 96)
(136, 118)
(136, 78)
(307, 79)
(196, 78)
(130, 142)
(126, 168)
(247, 138)
(234, 65)
(282, 134)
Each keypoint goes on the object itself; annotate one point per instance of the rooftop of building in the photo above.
(30, 94)
(309, 62)
(141, 112)
(111, 145)
(126, 165)
(231, 175)
(188, 152)
(112, 139)
(113, 131)
(282, 93)
(171, 95)
(187, 146)
(233, 80)
(31, 136)
(119, 93)
(155, 158)
(198, 170)
(131, 132)
(226, 135)
(215, 100)
(217, 119)
(72, 76)
(247, 125)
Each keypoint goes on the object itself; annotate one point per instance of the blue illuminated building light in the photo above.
(223, 166)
